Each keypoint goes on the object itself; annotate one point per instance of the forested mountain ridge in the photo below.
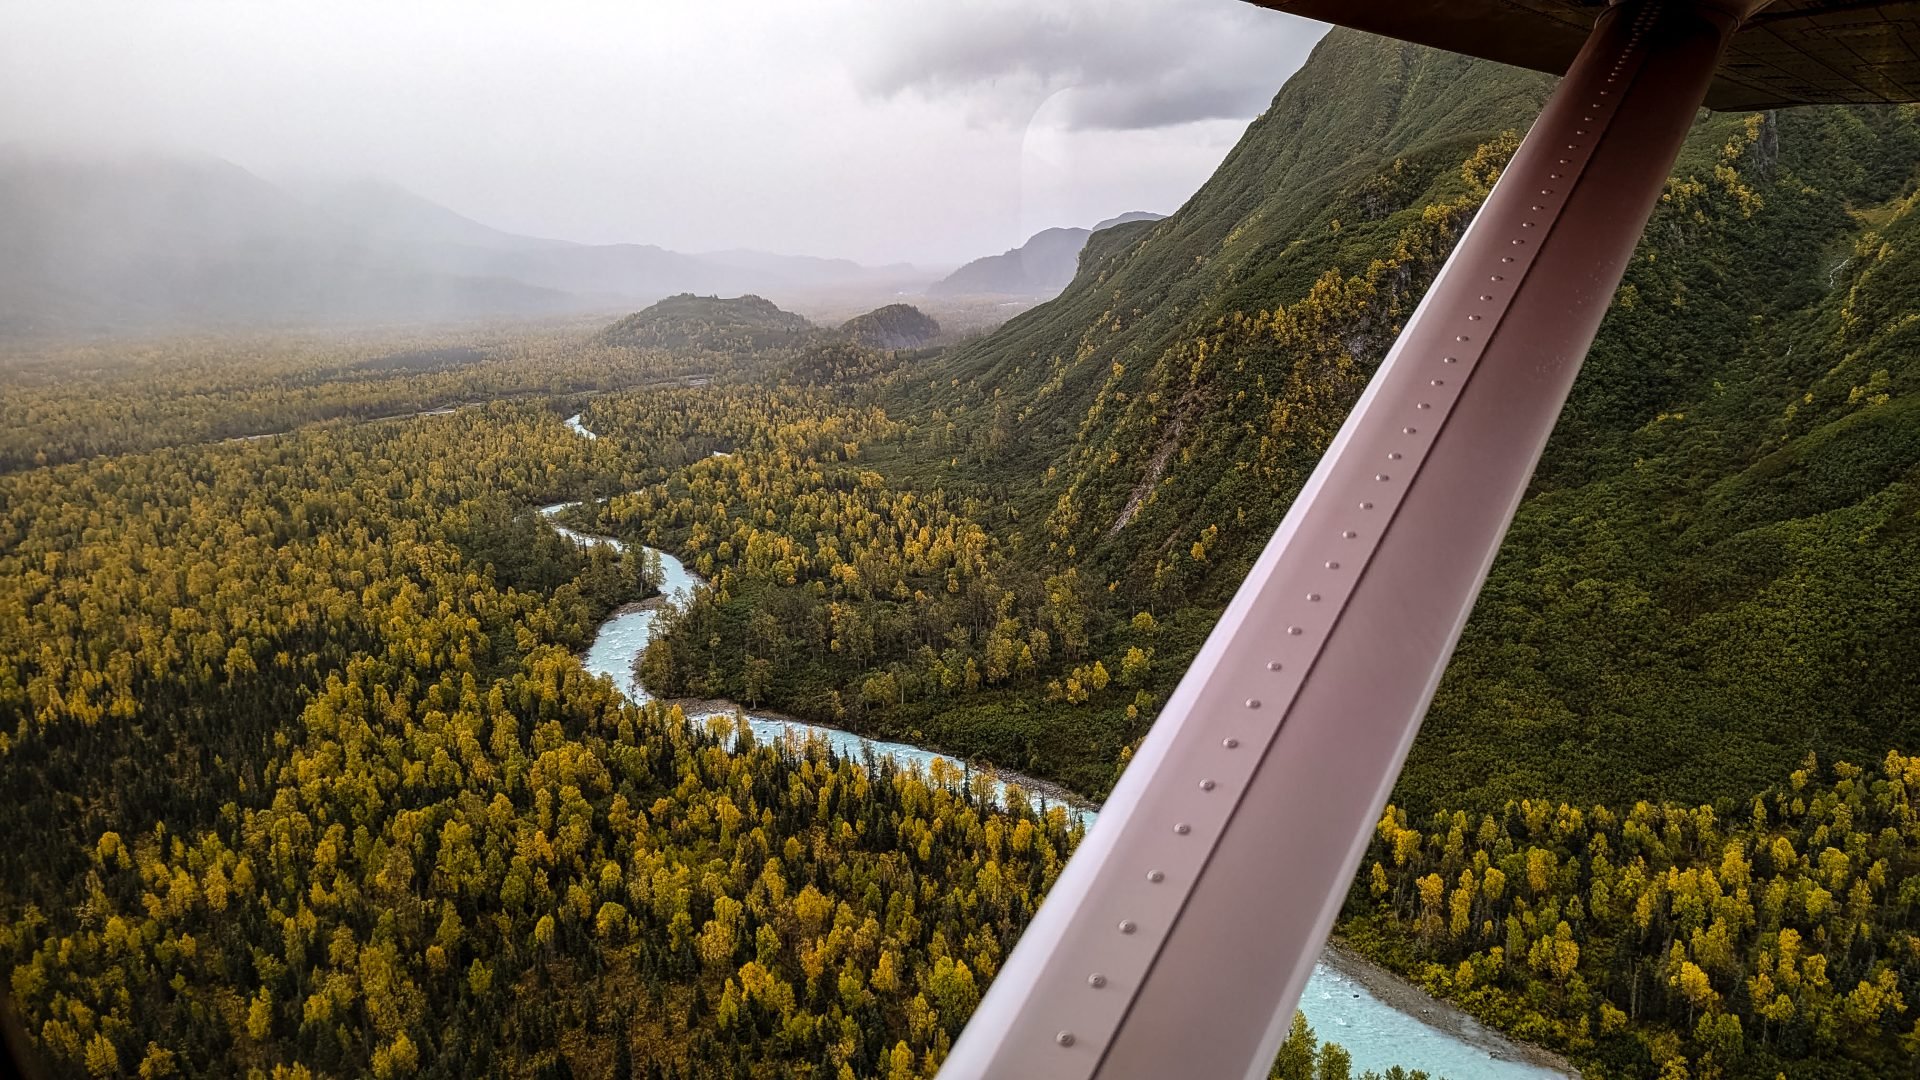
(1247, 239)
(1177, 394)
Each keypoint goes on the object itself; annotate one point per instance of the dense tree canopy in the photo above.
(316, 785)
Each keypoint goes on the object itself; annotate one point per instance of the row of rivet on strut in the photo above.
(1379, 495)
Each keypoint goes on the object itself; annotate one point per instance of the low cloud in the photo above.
(1111, 64)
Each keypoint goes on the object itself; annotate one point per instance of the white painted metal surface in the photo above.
(1178, 938)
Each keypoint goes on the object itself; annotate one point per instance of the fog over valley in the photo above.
(352, 162)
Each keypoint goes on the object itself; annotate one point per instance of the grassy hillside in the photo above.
(1717, 573)
(1711, 577)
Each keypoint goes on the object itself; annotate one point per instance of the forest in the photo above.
(291, 704)
(319, 788)
(1774, 936)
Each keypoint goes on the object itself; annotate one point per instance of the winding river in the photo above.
(1339, 1001)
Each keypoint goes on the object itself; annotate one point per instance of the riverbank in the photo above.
(651, 603)
(1397, 992)
(1032, 785)
(1380, 1018)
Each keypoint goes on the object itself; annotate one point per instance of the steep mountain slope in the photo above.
(1711, 578)
(1040, 267)
(1717, 573)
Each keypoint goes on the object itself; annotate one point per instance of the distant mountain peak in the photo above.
(1129, 216)
(138, 239)
(1042, 266)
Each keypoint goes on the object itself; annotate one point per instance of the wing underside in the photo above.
(1792, 52)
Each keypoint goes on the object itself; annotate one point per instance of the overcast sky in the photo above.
(881, 130)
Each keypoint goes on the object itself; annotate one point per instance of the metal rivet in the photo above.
(1517, 242)
(1127, 926)
(1506, 258)
(1313, 598)
(1486, 296)
(1065, 1038)
(1409, 431)
(1423, 405)
(1546, 191)
(1229, 742)
(1473, 318)
(1526, 224)
(1394, 455)
(1450, 360)
(1206, 785)
(1294, 631)
(1096, 980)
(1253, 703)
(1366, 506)
(1156, 876)
(1437, 382)
(1273, 665)
(1462, 337)
(1497, 277)
(1334, 565)
(1181, 829)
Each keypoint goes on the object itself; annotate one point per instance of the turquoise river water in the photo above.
(1340, 1008)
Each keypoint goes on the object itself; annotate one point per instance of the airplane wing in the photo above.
(1178, 937)
(1791, 52)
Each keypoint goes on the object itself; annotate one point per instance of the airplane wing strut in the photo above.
(1178, 938)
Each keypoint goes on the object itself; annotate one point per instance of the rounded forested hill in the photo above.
(709, 322)
(896, 326)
